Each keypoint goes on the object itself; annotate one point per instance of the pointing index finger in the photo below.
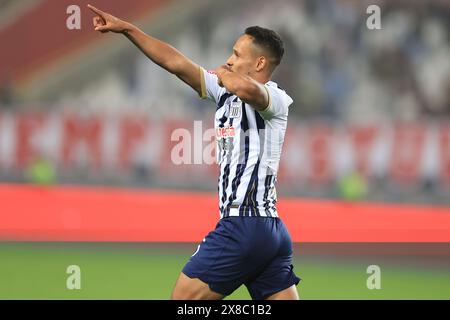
(95, 10)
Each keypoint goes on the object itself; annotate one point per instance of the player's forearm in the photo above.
(240, 85)
(246, 88)
(234, 82)
(156, 50)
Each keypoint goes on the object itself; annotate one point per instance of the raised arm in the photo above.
(156, 50)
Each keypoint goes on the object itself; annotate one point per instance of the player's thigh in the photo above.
(290, 293)
(193, 289)
(275, 282)
(277, 279)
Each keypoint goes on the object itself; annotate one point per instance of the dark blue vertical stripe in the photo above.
(223, 119)
(244, 120)
(240, 168)
(267, 184)
(255, 193)
(260, 124)
(250, 194)
(226, 174)
(272, 185)
(222, 99)
(226, 171)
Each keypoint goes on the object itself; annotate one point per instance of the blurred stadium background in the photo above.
(364, 176)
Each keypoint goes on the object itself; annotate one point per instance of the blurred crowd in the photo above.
(334, 67)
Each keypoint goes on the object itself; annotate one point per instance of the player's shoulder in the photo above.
(273, 84)
(275, 89)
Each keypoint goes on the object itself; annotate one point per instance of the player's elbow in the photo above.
(175, 63)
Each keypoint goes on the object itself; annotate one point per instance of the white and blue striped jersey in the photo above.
(249, 144)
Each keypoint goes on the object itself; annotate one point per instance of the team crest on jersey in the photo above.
(235, 110)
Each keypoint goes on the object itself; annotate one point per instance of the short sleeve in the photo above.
(209, 86)
(279, 102)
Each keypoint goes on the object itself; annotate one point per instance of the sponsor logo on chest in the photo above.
(225, 132)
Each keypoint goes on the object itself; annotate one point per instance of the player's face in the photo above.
(244, 59)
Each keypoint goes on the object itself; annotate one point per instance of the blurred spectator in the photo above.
(6, 94)
(334, 66)
(41, 171)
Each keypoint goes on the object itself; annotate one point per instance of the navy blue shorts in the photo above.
(254, 251)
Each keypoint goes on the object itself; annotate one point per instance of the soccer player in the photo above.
(250, 244)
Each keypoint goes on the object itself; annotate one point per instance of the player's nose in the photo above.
(230, 61)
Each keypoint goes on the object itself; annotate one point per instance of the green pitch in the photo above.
(148, 271)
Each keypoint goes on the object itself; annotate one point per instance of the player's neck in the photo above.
(263, 79)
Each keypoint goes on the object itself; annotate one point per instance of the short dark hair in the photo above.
(268, 40)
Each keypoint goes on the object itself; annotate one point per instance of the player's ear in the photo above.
(261, 63)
